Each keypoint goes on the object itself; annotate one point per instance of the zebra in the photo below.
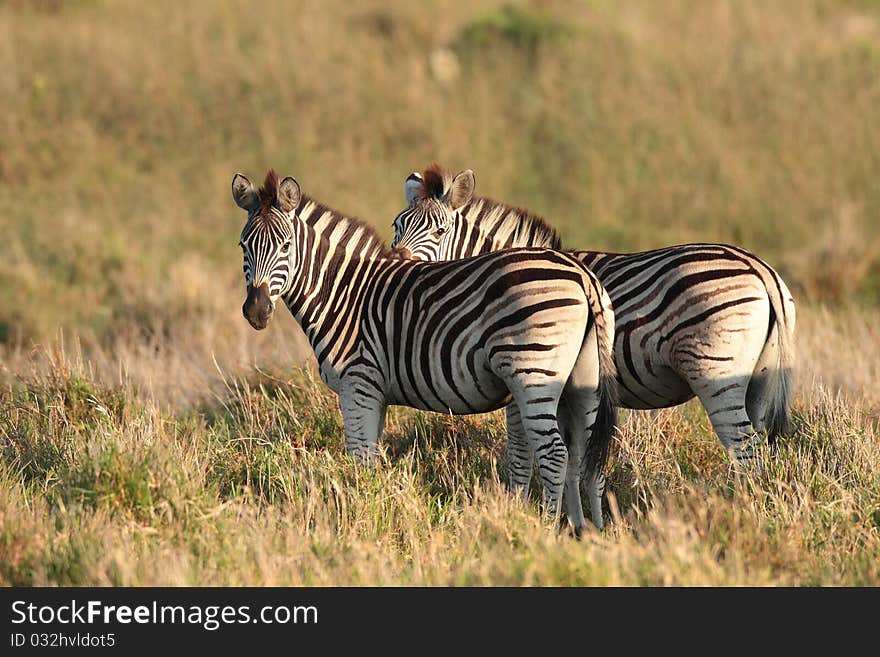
(532, 326)
(707, 320)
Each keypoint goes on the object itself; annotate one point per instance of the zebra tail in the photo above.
(780, 384)
(596, 454)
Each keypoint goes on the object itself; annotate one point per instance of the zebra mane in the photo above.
(435, 181)
(269, 191)
(509, 225)
(325, 221)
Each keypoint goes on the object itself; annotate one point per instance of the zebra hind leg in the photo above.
(583, 411)
(573, 505)
(725, 403)
(718, 358)
(538, 406)
(519, 454)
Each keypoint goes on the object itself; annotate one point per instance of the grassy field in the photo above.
(149, 436)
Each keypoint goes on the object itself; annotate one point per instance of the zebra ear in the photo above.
(462, 189)
(412, 187)
(244, 194)
(288, 195)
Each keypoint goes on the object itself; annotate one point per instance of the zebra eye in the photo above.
(285, 247)
(440, 231)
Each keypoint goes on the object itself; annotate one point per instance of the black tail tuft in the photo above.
(596, 455)
(778, 418)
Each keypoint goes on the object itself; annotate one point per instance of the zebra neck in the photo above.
(338, 258)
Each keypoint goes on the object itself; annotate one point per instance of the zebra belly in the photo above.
(660, 390)
(464, 393)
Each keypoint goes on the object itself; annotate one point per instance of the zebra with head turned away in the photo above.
(529, 325)
(706, 320)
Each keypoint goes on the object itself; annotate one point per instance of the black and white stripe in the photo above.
(710, 320)
(532, 326)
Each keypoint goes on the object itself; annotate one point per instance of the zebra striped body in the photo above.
(528, 325)
(706, 320)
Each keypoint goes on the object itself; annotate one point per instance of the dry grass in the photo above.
(148, 436)
(100, 484)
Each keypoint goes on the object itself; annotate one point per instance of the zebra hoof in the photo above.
(576, 531)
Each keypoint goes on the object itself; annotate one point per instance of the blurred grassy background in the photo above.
(628, 125)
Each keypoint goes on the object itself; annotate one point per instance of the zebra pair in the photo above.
(530, 329)
(706, 320)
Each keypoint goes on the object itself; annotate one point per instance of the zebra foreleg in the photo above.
(363, 417)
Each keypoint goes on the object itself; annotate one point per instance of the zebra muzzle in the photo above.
(257, 308)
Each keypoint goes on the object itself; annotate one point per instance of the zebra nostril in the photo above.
(258, 307)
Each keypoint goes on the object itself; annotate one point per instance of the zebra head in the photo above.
(425, 229)
(267, 242)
